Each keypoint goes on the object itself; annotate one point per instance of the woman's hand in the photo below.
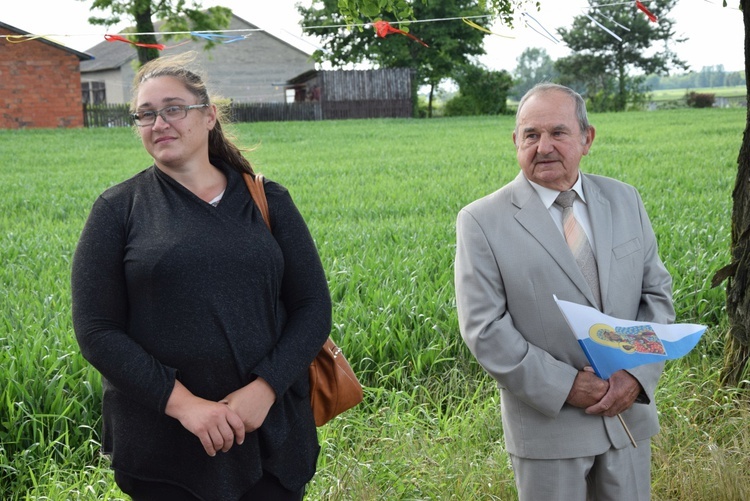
(216, 425)
(252, 403)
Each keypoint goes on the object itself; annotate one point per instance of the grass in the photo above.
(380, 197)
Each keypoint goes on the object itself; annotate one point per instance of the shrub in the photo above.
(481, 92)
(700, 100)
(461, 105)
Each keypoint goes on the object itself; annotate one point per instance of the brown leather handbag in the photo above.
(334, 387)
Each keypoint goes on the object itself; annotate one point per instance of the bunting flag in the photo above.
(612, 344)
(25, 38)
(216, 37)
(157, 46)
(643, 9)
(546, 33)
(481, 28)
(118, 38)
(384, 28)
(617, 37)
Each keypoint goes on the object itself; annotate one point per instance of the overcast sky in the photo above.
(716, 34)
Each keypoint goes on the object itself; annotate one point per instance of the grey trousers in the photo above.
(615, 475)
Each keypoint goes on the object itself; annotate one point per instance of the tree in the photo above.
(737, 272)
(603, 64)
(706, 76)
(481, 92)
(735, 78)
(534, 66)
(653, 82)
(719, 76)
(451, 44)
(176, 15)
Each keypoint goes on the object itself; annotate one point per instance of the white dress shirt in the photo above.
(580, 209)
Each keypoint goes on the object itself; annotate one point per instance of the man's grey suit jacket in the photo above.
(510, 260)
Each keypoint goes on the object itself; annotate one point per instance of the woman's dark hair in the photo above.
(177, 67)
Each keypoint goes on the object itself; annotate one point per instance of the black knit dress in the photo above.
(166, 286)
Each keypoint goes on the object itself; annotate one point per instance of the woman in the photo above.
(201, 321)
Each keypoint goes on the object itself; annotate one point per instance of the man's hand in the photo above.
(217, 426)
(623, 390)
(588, 389)
(252, 403)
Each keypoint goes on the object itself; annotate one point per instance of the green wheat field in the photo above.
(380, 197)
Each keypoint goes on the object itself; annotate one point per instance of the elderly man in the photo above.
(586, 239)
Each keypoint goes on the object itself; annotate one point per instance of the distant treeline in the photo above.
(709, 76)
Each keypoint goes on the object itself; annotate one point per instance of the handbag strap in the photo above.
(258, 194)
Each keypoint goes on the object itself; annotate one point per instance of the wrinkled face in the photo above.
(173, 144)
(549, 142)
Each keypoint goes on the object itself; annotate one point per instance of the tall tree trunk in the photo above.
(737, 348)
(144, 24)
(429, 102)
(621, 99)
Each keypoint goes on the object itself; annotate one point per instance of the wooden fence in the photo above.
(118, 115)
(106, 115)
(388, 84)
(274, 112)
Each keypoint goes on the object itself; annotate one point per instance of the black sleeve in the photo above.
(304, 292)
(100, 312)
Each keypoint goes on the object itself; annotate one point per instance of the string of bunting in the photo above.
(382, 29)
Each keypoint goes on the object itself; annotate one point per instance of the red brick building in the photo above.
(40, 83)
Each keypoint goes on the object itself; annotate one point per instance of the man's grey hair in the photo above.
(583, 119)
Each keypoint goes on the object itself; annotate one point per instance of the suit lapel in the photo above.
(600, 215)
(535, 218)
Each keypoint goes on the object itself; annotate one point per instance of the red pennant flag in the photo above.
(384, 28)
(118, 38)
(643, 8)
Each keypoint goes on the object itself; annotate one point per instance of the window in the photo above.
(93, 93)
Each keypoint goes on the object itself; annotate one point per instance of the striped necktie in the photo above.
(579, 244)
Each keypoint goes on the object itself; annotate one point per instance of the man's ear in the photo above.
(589, 139)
